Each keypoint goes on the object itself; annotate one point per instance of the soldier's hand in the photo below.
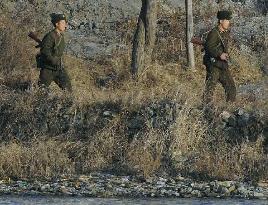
(224, 56)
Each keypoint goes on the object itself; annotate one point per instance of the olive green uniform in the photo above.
(217, 69)
(52, 68)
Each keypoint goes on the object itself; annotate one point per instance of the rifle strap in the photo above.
(57, 44)
(223, 44)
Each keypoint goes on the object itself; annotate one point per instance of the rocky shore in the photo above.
(107, 185)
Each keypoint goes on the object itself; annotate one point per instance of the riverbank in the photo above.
(111, 186)
(157, 124)
(52, 200)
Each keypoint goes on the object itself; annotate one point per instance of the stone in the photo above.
(45, 187)
(258, 195)
(240, 112)
(161, 183)
(196, 193)
(243, 191)
(226, 183)
(64, 190)
(243, 120)
(224, 191)
(225, 116)
(232, 121)
(232, 189)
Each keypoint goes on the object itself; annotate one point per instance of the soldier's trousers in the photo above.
(60, 77)
(218, 75)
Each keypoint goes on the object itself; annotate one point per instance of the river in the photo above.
(15, 200)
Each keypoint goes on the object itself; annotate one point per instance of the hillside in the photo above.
(155, 126)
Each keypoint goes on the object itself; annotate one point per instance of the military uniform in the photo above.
(52, 69)
(217, 69)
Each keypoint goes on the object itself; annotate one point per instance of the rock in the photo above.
(240, 112)
(243, 191)
(105, 185)
(97, 20)
(232, 121)
(226, 184)
(45, 187)
(149, 180)
(177, 194)
(64, 190)
(243, 120)
(161, 183)
(136, 123)
(223, 190)
(213, 194)
(232, 189)
(258, 195)
(225, 116)
(196, 193)
(207, 191)
(243, 126)
(22, 184)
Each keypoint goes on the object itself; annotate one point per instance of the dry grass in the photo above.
(86, 141)
(40, 159)
(205, 153)
(241, 162)
(145, 154)
(15, 55)
(245, 68)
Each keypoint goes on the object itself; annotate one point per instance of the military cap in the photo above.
(224, 14)
(55, 18)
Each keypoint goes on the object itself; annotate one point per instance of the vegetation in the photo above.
(111, 123)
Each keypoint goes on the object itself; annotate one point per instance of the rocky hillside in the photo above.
(95, 27)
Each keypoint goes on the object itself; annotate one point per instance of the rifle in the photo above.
(200, 42)
(38, 57)
(197, 41)
(34, 36)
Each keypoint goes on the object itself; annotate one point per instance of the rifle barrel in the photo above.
(33, 36)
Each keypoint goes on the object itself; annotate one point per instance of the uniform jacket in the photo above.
(52, 49)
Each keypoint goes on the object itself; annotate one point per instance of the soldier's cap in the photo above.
(224, 14)
(55, 18)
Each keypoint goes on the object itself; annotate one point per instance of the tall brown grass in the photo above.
(46, 134)
(37, 159)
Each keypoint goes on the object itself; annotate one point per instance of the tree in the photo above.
(189, 33)
(144, 38)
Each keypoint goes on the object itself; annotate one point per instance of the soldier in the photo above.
(52, 48)
(216, 59)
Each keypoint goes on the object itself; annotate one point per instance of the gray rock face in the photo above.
(93, 25)
(242, 126)
(258, 90)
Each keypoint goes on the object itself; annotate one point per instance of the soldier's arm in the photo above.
(213, 45)
(47, 50)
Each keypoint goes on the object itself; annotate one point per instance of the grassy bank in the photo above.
(152, 126)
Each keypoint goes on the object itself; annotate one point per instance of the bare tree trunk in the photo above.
(265, 65)
(144, 38)
(189, 33)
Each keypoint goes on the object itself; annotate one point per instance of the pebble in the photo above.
(107, 185)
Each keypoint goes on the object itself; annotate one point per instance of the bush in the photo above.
(16, 55)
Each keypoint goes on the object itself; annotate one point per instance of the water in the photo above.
(14, 200)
